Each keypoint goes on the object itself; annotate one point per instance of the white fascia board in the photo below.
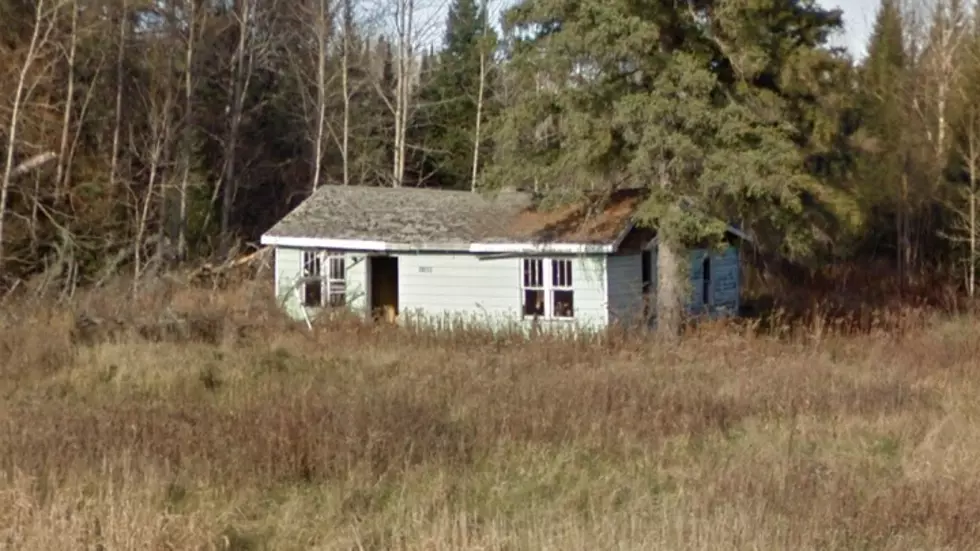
(541, 248)
(323, 243)
(475, 248)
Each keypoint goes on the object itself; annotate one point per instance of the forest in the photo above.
(136, 135)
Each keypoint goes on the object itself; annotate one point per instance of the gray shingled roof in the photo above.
(401, 215)
(416, 216)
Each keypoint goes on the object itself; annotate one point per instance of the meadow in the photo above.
(238, 430)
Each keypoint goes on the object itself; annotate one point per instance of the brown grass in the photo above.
(256, 434)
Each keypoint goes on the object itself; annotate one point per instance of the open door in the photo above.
(384, 287)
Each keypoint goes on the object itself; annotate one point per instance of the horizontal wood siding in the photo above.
(726, 283)
(464, 288)
(289, 269)
(357, 282)
(625, 284)
(723, 296)
(625, 289)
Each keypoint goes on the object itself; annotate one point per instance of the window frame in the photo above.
(547, 275)
(331, 276)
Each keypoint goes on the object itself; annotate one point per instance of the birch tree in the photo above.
(63, 158)
(964, 230)
(158, 103)
(484, 54)
(122, 22)
(455, 101)
(194, 21)
(404, 16)
(44, 22)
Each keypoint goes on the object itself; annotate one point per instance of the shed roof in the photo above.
(418, 218)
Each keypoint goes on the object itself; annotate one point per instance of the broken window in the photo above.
(337, 282)
(324, 289)
(312, 279)
(547, 288)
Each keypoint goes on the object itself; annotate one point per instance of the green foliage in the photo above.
(451, 94)
(704, 107)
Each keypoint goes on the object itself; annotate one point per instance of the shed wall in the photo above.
(487, 290)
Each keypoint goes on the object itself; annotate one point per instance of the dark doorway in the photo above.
(384, 287)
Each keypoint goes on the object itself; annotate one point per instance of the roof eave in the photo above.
(474, 248)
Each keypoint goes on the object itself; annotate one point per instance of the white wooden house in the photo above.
(436, 255)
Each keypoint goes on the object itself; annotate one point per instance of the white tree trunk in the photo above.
(63, 157)
(481, 91)
(39, 36)
(403, 87)
(321, 33)
(120, 80)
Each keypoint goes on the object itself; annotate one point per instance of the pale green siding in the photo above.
(468, 289)
(289, 269)
(357, 282)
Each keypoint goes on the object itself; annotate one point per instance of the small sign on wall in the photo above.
(425, 269)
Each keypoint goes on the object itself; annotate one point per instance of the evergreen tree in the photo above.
(452, 93)
(709, 107)
(882, 93)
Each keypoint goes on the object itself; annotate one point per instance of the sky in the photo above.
(859, 17)
(858, 20)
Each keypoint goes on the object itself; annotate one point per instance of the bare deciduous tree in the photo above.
(44, 22)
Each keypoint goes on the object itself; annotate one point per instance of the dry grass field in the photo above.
(243, 432)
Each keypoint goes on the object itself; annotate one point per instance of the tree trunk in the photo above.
(63, 158)
(481, 91)
(345, 85)
(402, 88)
(670, 289)
(240, 76)
(321, 33)
(20, 95)
(188, 134)
(120, 76)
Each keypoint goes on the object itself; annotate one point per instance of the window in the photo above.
(706, 281)
(324, 289)
(547, 289)
(562, 295)
(312, 279)
(534, 287)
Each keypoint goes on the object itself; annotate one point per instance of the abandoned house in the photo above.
(412, 253)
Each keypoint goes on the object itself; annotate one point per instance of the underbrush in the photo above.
(186, 419)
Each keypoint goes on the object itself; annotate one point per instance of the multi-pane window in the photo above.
(547, 289)
(324, 279)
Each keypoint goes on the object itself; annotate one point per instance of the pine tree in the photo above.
(708, 107)
(884, 102)
(452, 93)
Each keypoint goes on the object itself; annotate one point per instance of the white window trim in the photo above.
(331, 286)
(548, 287)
